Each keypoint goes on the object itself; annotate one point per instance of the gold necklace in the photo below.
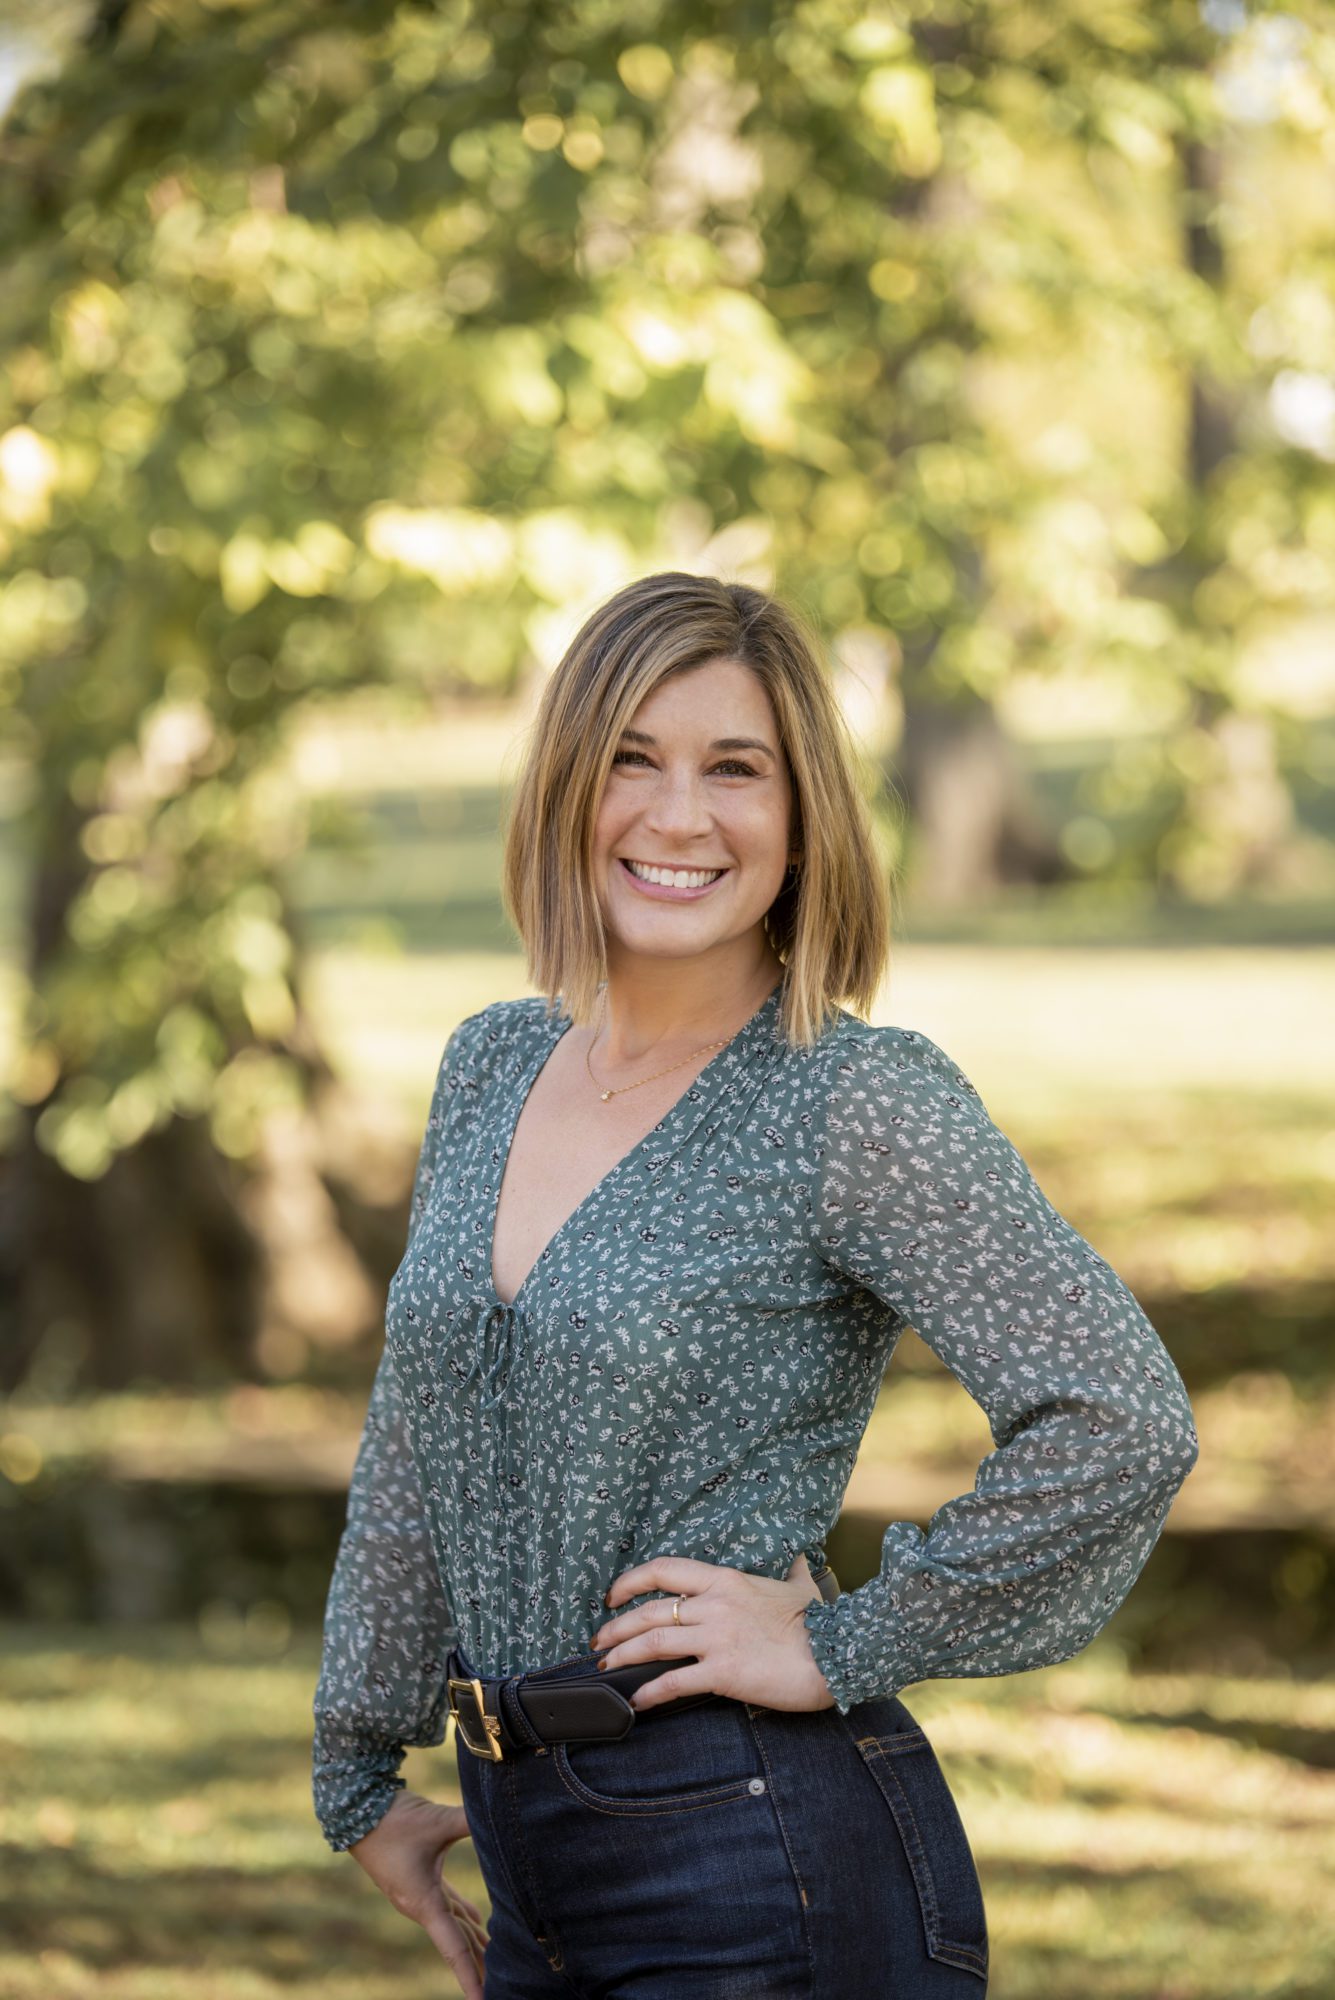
(605, 1094)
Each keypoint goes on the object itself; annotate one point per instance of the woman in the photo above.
(663, 1240)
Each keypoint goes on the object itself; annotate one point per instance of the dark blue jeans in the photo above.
(727, 1852)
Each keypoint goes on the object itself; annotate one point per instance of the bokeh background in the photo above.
(349, 354)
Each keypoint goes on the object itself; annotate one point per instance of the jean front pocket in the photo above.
(904, 1764)
(673, 1763)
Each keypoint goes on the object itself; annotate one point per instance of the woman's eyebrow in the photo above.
(719, 743)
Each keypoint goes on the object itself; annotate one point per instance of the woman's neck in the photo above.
(658, 1006)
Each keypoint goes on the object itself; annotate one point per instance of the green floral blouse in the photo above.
(689, 1368)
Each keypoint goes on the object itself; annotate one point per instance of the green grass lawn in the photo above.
(1165, 1837)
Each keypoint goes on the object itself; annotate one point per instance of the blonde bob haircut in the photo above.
(829, 923)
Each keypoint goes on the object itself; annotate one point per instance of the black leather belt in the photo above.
(498, 1715)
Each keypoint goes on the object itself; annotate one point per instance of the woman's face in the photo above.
(682, 794)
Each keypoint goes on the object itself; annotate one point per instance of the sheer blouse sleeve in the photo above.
(387, 1627)
(923, 1201)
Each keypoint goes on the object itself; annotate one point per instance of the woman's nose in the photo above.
(678, 803)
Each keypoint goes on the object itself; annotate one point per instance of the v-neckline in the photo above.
(715, 1070)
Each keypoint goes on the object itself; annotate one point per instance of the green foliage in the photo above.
(347, 344)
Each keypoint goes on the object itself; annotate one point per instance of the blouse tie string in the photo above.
(493, 1377)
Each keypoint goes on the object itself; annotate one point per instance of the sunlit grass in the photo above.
(159, 1838)
(1139, 1837)
(1134, 1836)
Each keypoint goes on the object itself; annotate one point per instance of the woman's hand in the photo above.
(746, 1633)
(402, 1854)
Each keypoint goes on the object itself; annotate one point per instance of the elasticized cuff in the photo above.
(840, 1647)
(342, 1828)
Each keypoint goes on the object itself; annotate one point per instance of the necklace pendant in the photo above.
(606, 1095)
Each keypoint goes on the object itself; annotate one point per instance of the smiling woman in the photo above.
(692, 727)
(679, 823)
(671, 1215)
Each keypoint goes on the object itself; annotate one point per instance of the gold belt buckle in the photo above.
(491, 1725)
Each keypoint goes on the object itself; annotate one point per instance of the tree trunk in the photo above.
(1243, 809)
(181, 1266)
(178, 1264)
(974, 824)
(149, 1273)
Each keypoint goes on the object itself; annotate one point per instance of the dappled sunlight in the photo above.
(1165, 1858)
(169, 1835)
(1121, 1848)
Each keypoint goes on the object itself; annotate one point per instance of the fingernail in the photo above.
(601, 1665)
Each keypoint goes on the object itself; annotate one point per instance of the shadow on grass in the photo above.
(284, 1924)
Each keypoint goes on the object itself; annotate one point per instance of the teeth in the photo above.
(675, 878)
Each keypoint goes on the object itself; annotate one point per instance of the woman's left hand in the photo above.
(745, 1632)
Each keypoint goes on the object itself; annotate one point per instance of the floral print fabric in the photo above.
(690, 1365)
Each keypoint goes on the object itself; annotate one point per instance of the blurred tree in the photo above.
(1237, 814)
(348, 343)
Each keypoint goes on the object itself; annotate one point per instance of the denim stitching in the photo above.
(951, 1950)
(787, 1845)
(542, 1932)
(924, 1873)
(630, 1808)
(899, 1744)
(498, 1846)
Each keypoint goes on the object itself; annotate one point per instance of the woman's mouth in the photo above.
(671, 885)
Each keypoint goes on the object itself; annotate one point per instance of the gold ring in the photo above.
(676, 1610)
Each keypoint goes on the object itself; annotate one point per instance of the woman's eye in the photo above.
(727, 764)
